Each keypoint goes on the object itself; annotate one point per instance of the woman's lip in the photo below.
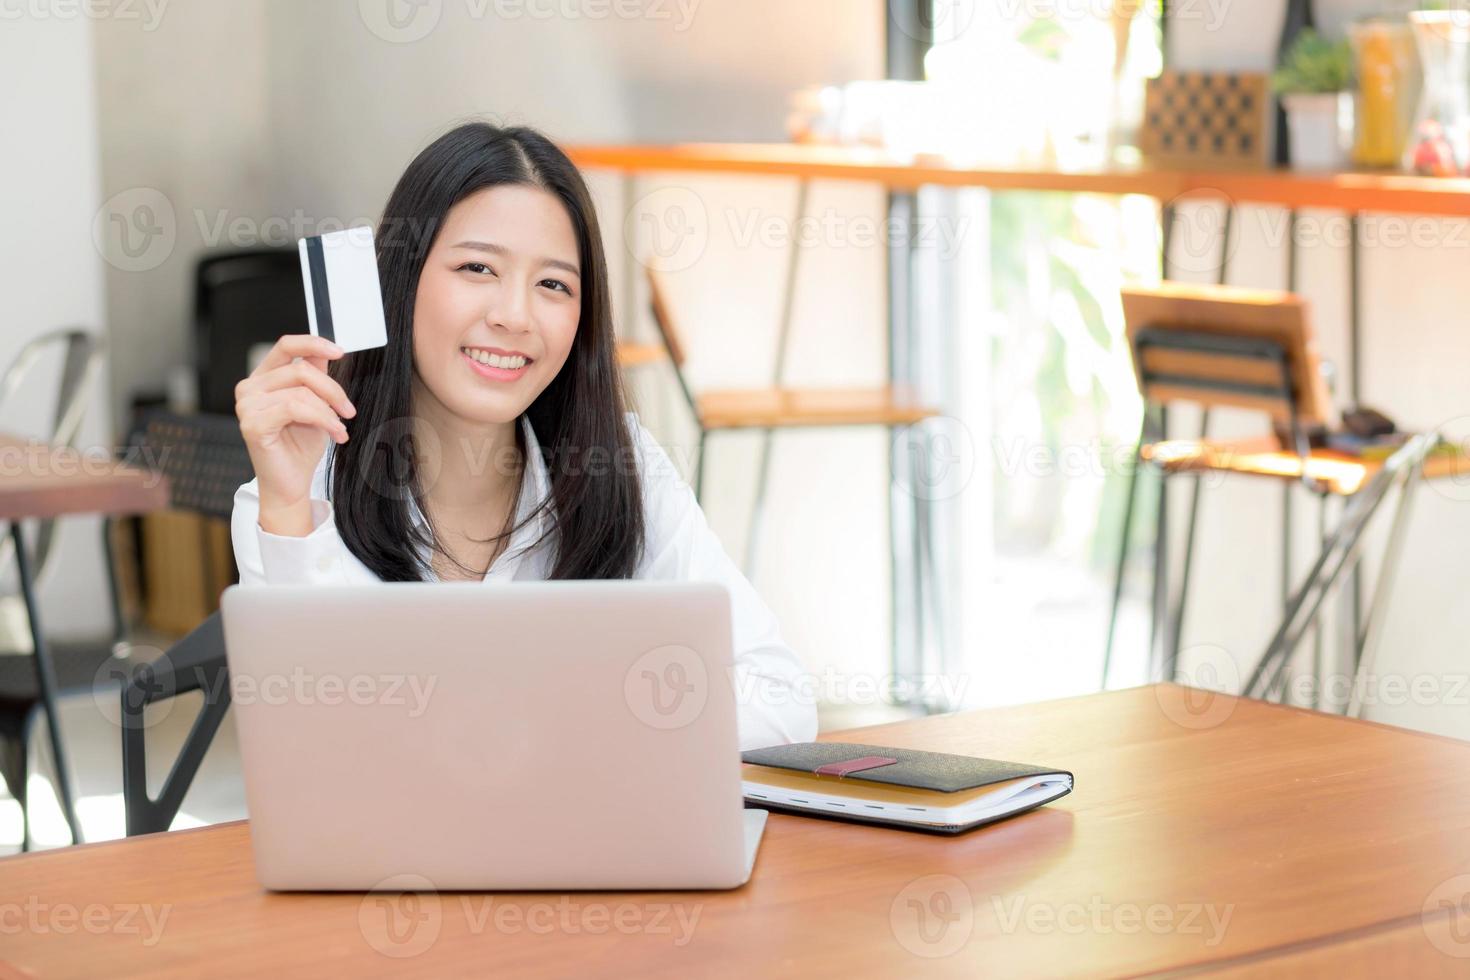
(499, 350)
(495, 373)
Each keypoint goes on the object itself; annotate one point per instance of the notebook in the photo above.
(932, 791)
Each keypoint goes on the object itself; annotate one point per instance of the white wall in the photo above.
(276, 108)
(50, 273)
(182, 125)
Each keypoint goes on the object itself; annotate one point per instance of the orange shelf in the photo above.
(1351, 191)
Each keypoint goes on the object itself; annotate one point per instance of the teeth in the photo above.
(505, 362)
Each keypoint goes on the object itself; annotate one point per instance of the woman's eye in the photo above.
(557, 284)
(477, 268)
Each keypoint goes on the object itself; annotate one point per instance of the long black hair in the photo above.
(595, 503)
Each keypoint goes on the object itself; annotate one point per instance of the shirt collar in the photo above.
(535, 487)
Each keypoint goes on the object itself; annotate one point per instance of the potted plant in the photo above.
(1314, 83)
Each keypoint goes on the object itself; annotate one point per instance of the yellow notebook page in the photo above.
(852, 789)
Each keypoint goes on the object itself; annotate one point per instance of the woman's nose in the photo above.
(511, 310)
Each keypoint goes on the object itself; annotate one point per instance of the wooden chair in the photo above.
(635, 355)
(774, 407)
(1220, 346)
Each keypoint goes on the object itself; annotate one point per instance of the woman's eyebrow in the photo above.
(495, 249)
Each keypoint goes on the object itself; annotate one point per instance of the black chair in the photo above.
(242, 299)
(33, 673)
(206, 462)
(195, 663)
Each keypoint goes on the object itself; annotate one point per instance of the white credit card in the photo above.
(343, 299)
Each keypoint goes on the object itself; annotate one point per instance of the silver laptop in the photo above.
(465, 736)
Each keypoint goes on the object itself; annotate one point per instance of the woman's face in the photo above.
(498, 303)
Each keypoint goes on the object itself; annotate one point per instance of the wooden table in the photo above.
(1206, 832)
(39, 482)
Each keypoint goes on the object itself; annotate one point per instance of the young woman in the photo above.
(489, 439)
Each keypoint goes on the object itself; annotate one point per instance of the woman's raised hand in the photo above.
(288, 409)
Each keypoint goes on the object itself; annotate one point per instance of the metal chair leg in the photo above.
(1366, 644)
(757, 509)
(1161, 562)
(21, 788)
(1344, 548)
(45, 681)
(119, 621)
(699, 468)
(894, 607)
(1317, 639)
(1123, 552)
(1176, 626)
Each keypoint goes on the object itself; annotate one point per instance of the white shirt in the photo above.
(678, 546)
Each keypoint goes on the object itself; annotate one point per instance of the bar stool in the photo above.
(1220, 346)
(775, 407)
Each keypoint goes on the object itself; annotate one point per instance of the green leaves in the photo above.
(1314, 64)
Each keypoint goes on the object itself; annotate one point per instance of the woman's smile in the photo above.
(495, 364)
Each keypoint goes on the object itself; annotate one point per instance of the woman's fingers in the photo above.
(268, 413)
(294, 345)
(299, 374)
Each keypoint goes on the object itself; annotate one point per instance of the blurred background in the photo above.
(145, 139)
